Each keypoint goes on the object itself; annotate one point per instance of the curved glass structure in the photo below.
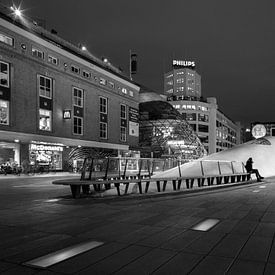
(164, 132)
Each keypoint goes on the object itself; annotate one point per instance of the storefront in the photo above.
(46, 155)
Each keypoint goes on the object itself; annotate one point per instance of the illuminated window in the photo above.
(103, 105)
(45, 86)
(124, 90)
(131, 93)
(45, 120)
(4, 112)
(78, 125)
(37, 53)
(6, 39)
(75, 69)
(77, 97)
(86, 74)
(122, 133)
(103, 130)
(4, 74)
(52, 59)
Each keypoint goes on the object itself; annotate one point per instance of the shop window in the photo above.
(77, 97)
(4, 112)
(6, 39)
(45, 120)
(37, 53)
(45, 86)
(103, 105)
(75, 69)
(123, 133)
(52, 59)
(4, 74)
(103, 130)
(78, 125)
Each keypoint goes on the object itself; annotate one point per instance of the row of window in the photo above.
(38, 53)
(190, 107)
(45, 90)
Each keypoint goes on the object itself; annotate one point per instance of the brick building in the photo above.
(55, 96)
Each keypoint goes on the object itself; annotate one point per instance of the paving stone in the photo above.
(241, 267)
(212, 265)
(82, 261)
(182, 240)
(180, 264)
(229, 246)
(265, 229)
(20, 270)
(268, 217)
(225, 226)
(269, 269)
(159, 238)
(205, 243)
(244, 227)
(256, 249)
(148, 263)
(5, 266)
(116, 261)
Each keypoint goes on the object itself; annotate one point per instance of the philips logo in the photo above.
(183, 63)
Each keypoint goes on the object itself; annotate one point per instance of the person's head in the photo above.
(250, 159)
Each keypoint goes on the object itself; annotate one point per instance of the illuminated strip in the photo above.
(205, 225)
(61, 255)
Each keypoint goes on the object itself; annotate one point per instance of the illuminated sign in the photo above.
(175, 142)
(182, 63)
(67, 114)
(258, 131)
(41, 147)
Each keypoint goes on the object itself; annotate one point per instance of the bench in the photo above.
(161, 183)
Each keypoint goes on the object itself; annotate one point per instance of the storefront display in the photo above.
(46, 155)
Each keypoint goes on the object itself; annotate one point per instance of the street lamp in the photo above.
(16, 11)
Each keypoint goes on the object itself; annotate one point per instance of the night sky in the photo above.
(232, 43)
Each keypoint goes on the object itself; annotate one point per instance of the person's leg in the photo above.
(257, 174)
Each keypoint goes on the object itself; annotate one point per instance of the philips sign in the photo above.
(182, 63)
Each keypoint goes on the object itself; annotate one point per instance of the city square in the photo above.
(137, 137)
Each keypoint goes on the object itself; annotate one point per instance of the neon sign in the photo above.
(182, 63)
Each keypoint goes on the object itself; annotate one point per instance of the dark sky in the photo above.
(232, 42)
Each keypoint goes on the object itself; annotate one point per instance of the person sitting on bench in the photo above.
(249, 169)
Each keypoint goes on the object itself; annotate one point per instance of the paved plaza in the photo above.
(139, 235)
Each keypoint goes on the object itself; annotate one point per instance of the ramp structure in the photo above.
(261, 150)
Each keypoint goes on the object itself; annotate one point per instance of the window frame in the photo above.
(105, 111)
(77, 97)
(103, 130)
(51, 58)
(51, 87)
(37, 50)
(7, 38)
(81, 126)
(8, 74)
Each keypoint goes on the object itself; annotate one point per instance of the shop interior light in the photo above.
(16, 140)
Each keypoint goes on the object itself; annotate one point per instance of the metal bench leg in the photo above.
(199, 182)
(164, 185)
(158, 185)
(187, 183)
(117, 188)
(202, 181)
(126, 188)
(85, 189)
(192, 182)
(75, 191)
(140, 187)
(179, 184)
(174, 185)
(233, 178)
(147, 186)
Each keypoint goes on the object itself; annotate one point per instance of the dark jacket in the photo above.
(249, 165)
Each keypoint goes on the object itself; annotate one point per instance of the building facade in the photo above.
(55, 97)
(164, 132)
(216, 131)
